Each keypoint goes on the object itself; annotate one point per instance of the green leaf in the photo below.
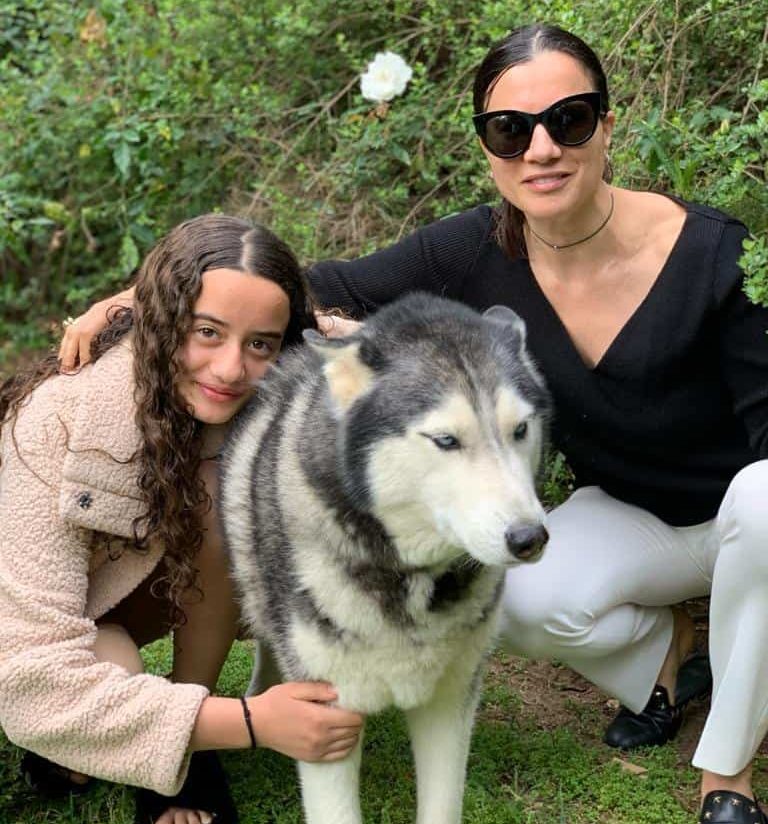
(401, 154)
(122, 157)
(129, 254)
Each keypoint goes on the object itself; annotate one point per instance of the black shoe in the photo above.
(694, 679)
(655, 725)
(659, 722)
(49, 780)
(723, 807)
(205, 788)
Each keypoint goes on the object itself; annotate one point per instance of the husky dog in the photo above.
(372, 495)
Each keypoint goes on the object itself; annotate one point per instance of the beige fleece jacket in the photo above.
(70, 475)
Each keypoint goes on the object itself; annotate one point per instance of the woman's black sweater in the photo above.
(679, 401)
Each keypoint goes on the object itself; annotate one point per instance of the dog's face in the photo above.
(460, 479)
(443, 427)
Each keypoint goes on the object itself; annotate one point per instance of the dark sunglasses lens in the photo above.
(507, 135)
(572, 123)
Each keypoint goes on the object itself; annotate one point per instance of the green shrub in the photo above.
(119, 120)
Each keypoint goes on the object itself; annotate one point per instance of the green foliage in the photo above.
(118, 120)
(557, 481)
(687, 153)
(754, 261)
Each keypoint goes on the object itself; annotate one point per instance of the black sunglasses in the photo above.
(569, 122)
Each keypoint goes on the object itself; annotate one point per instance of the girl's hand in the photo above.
(296, 720)
(75, 346)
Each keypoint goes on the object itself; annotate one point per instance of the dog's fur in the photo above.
(372, 495)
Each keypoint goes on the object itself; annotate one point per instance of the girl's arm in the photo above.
(294, 719)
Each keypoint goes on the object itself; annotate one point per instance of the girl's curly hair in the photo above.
(167, 287)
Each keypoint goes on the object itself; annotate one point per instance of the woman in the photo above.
(657, 364)
(109, 540)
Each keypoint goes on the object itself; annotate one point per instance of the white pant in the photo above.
(598, 601)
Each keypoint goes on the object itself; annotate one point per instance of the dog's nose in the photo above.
(526, 542)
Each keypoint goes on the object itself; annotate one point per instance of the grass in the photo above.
(521, 771)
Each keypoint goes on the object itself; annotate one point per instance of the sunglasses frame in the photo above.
(593, 99)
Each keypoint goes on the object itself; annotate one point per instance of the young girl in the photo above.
(109, 536)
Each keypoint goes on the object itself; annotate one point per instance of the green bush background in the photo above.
(118, 119)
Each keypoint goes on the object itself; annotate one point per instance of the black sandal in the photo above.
(205, 789)
(50, 780)
(724, 807)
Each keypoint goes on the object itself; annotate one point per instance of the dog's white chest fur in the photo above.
(393, 671)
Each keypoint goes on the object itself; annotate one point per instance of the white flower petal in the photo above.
(386, 77)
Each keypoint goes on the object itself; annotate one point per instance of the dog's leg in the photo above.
(440, 733)
(253, 686)
(330, 792)
(265, 672)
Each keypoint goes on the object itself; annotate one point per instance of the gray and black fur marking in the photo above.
(417, 349)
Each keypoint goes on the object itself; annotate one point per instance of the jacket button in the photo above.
(84, 500)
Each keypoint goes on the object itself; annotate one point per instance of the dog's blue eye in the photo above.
(446, 442)
(520, 431)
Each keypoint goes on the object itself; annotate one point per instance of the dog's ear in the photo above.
(510, 322)
(348, 377)
(513, 332)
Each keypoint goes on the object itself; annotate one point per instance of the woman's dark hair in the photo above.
(167, 287)
(521, 45)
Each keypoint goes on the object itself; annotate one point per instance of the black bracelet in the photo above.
(247, 716)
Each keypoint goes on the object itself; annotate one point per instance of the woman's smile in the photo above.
(546, 181)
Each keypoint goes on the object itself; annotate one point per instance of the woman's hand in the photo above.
(333, 326)
(296, 720)
(75, 346)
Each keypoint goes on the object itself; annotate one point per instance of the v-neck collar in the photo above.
(609, 353)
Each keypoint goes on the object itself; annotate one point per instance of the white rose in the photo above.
(386, 77)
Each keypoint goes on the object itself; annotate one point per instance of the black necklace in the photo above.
(558, 246)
